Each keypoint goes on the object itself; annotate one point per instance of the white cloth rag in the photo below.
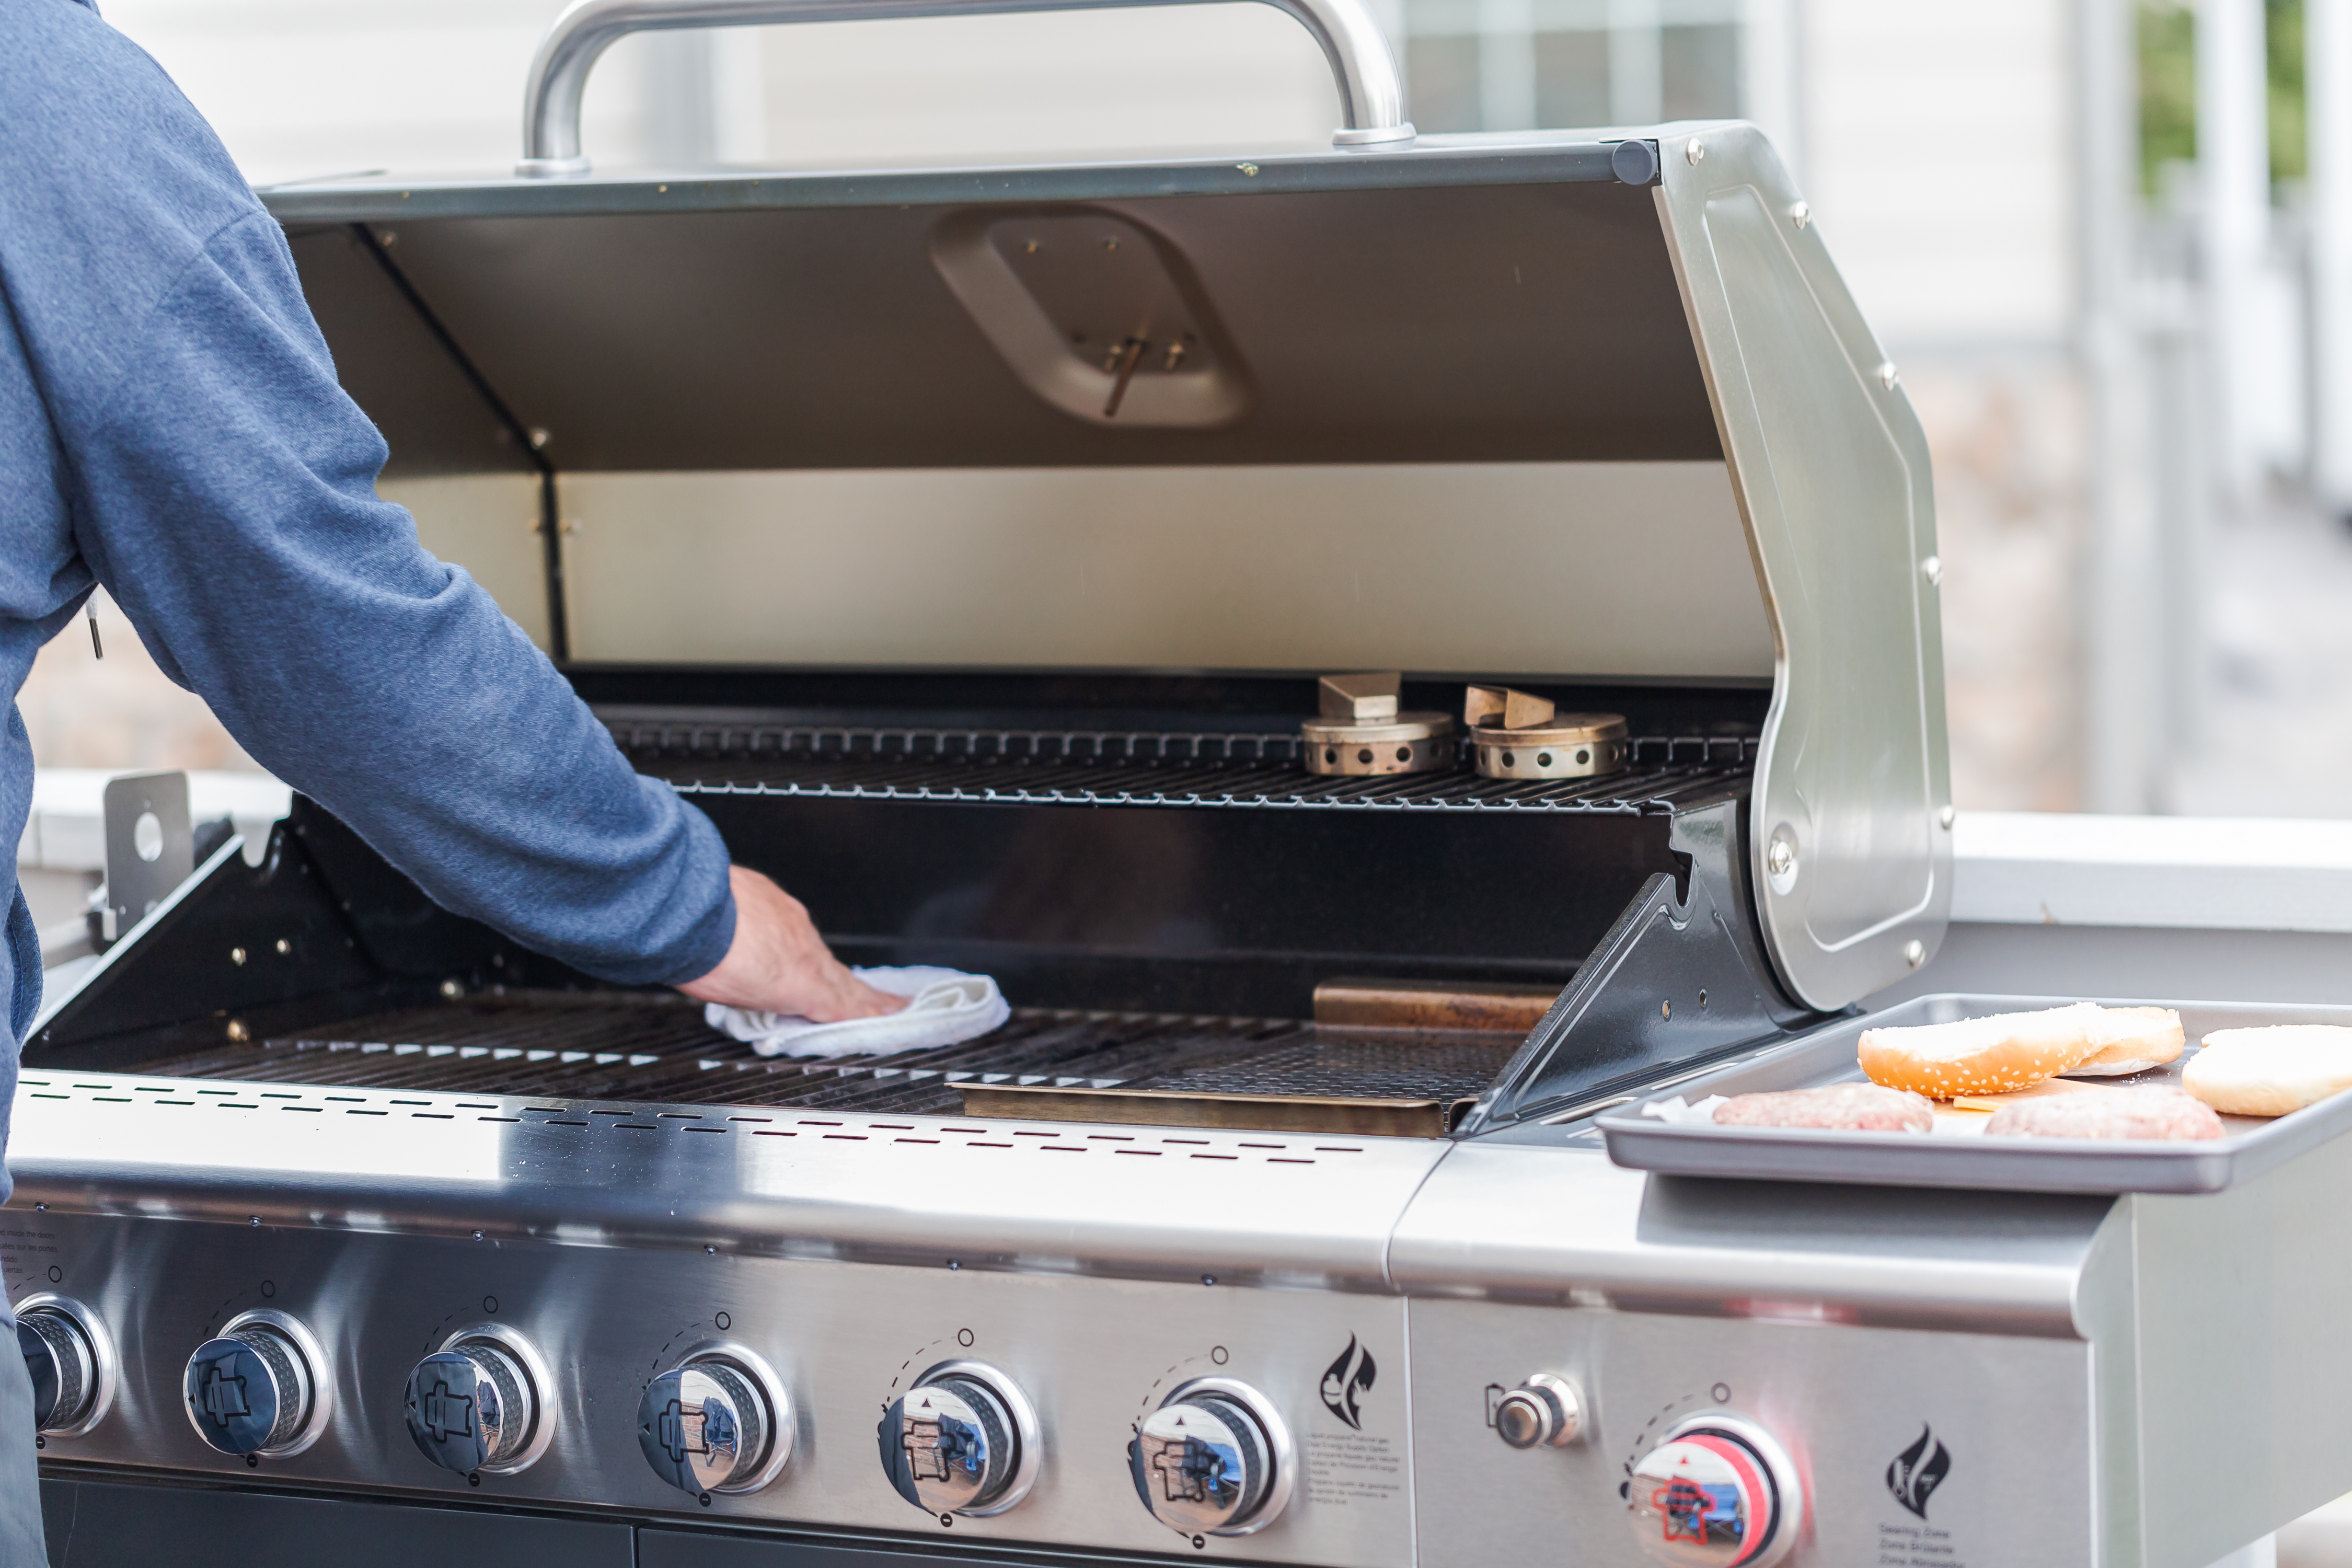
(945, 1007)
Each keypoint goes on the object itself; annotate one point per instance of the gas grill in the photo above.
(974, 545)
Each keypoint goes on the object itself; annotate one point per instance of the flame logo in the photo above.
(1918, 1470)
(1348, 1377)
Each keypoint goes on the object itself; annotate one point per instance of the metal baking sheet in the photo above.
(2250, 1146)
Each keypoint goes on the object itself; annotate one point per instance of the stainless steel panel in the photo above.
(2242, 1366)
(1264, 567)
(2001, 1262)
(1851, 858)
(1264, 1208)
(2014, 1415)
(1093, 1354)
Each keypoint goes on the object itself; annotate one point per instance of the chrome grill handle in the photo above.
(1363, 66)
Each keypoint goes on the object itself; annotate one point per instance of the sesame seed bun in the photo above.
(2010, 1051)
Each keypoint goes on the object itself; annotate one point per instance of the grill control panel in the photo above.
(1176, 1420)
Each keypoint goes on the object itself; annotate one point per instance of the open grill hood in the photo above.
(1459, 401)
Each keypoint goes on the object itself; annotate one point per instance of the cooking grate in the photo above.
(1068, 767)
(657, 1050)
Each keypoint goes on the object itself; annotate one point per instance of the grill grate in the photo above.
(1136, 768)
(655, 1050)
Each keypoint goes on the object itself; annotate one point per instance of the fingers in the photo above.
(778, 962)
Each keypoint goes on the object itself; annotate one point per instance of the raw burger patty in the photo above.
(1851, 1107)
(2150, 1112)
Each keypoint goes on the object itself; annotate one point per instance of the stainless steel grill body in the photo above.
(2062, 1349)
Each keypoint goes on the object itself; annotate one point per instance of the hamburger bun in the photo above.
(2269, 1072)
(2010, 1051)
(2142, 1039)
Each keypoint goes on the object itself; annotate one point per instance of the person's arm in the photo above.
(222, 486)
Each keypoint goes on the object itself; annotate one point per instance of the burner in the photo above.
(1360, 733)
(1515, 736)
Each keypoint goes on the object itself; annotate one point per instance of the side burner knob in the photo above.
(708, 1426)
(1545, 1412)
(1213, 1460)
(1718, 1492)
(253, 1390)
(962, 1440)
(472, 1407)
(61, 1358)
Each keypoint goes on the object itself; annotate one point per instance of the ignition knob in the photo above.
(1544, 1412)
(61, 1358)
(709, 1427)
(1718, 1492)
(253, 1390)
(1213, 1460)
(962, 1440)
(473, 1407)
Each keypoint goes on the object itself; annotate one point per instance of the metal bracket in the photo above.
(150, 846)
(1677, 980)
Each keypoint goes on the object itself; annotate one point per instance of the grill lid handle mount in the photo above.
(1363, 66)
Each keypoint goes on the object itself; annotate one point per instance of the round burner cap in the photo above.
(1571, 746)
(1407, 743)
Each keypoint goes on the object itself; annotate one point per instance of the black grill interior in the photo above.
(658, 1050)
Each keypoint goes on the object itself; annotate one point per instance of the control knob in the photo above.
(1213, 1460)
(1545, 1412)
(473, 1406)
(1718, 1492)
(62, 1352)
(718, 1423)
(962, 1440)
(255, 1389)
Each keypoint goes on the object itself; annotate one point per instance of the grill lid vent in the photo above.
(1096, 314)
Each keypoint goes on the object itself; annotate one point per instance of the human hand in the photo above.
(778, 963)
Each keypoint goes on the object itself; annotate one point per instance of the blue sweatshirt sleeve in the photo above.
(222, 486)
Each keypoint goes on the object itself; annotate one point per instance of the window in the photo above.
(1514, 65)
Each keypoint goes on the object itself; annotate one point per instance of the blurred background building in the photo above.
(2109, 242)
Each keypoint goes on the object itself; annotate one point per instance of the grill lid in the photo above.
(734, 385)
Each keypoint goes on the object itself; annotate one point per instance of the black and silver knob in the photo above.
(1213, 1460)
(718, 1423)
(1545, 1412)
(964, 1440)
(68, 1360)
(473, 1406)
(256, 1388)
